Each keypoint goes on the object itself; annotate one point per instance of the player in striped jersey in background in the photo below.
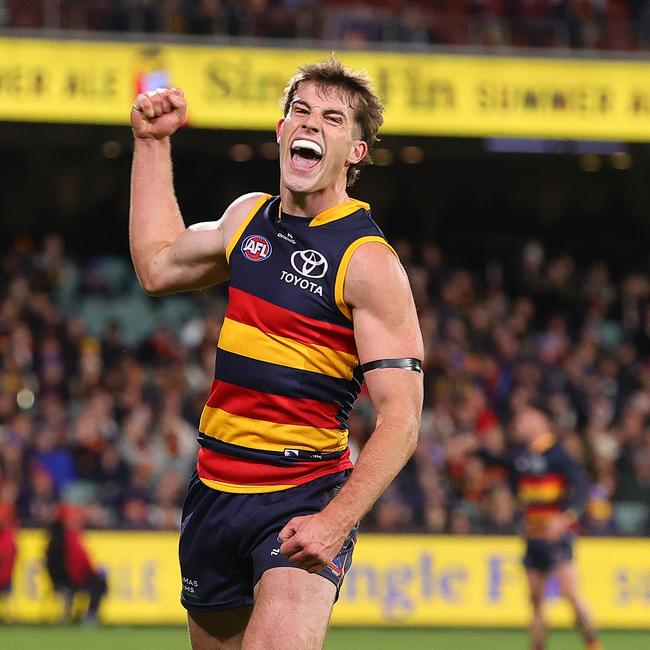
(551, 488)
(318, 303)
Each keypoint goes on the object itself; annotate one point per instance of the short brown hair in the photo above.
(368, 109)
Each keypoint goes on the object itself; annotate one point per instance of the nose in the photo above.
(312, 122)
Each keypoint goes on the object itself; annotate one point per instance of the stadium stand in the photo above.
(98, 405)
(613, 24)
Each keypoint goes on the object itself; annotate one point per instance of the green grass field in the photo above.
(175, 638)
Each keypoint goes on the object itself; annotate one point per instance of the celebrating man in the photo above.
(318, 303)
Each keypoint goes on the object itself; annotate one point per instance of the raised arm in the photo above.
(167, 256)
(385, 327)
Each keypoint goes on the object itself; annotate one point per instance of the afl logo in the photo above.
(256, 248)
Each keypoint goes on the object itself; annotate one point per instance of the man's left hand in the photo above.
(311, 541)
(557, 526)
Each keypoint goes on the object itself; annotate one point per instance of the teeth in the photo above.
(307, 144)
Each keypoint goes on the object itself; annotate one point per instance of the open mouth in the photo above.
(305, 154)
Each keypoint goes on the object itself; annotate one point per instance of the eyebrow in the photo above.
(328, 111)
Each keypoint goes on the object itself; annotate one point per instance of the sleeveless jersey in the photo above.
(287, 371)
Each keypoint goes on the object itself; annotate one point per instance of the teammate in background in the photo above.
(318, 301)
(552, 488)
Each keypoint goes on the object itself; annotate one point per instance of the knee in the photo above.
(576, 603)
(536, 599)
(570, 594)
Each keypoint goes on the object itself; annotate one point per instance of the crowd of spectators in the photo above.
(608, 24)
(102, 413)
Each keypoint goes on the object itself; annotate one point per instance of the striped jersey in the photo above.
(546, 480)
(287, 371)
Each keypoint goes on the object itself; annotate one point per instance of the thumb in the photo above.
(289, 530)
(177, 91)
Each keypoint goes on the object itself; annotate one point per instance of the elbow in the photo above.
(153, 276)
(153, 291)
(156, 291)
(151, 286)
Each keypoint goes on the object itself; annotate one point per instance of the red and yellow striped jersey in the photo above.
(287, 370)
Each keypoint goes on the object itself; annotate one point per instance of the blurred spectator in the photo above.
(528, 23)
(7, 554)
(68, 563)
(632, 510)
(500, 512)
(99, 403)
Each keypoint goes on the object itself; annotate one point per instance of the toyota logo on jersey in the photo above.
(256, 248)
(309, 263)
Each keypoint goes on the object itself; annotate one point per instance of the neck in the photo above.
(309, 204)
(542, 441)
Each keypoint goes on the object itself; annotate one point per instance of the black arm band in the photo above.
(404, 364)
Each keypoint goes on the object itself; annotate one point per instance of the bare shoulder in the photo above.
(375, 276)
(242, 205)
(378, 293)
(233, 216)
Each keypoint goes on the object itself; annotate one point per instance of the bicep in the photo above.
(197, 257)
(385, 326)
(383, 312)
(192, 261)
(208, 241)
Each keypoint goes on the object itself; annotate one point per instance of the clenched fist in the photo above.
(311, 541)
(158, 113)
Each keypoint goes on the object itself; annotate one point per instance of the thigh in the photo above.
(97, 584)
(536, 585)
(291, 612)
(538, 555)
(567, 577)
(267, 556)
(562, 551)
(218, 630)
(215, 575)
(303, 500)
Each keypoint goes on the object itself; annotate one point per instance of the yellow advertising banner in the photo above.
(394, 580)
(479, 581)
(239, 88)
(141, 569)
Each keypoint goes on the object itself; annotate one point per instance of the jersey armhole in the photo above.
(244, 224)
(339, 284)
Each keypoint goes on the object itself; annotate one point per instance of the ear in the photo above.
(278, 129)
(358, 152)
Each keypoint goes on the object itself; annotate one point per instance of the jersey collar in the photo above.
(338, 212)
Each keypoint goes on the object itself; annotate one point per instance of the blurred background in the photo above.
(512, 178)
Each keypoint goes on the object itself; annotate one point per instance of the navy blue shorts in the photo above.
(543, 555)
(228, 540)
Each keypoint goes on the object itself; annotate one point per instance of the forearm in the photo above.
(155, 220)
(384, 455)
